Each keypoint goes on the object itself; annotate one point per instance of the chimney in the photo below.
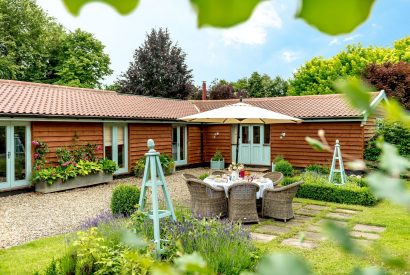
(203, 90)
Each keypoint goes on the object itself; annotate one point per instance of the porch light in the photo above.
(282, 135)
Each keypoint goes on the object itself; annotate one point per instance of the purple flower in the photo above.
(35, 143)
(35, 155)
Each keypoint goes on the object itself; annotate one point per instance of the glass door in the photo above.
(15, 155)
(116, 145)
(179, 145)
(245, 144)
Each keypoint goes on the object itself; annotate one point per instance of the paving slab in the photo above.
(316, 207)
(314, 228)
(308, 212)
(297, 243)
(365, 235)
(263, 238)
(369, 228)
(337, 215)
(316, 236)
(298, 220)
(296, 205)
(272, 229)
(347, 211)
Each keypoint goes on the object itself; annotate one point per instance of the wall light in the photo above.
(282, 135)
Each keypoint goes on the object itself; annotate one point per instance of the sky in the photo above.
(271, 42)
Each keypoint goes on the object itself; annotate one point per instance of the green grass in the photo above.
(32, 256)
(328, 258)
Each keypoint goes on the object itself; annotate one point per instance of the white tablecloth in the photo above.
(225, 185)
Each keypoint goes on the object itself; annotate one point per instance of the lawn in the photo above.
(327, 258)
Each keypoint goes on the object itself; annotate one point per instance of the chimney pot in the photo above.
(203, 90)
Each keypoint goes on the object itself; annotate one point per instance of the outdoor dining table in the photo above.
(263, 183)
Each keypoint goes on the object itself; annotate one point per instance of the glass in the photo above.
(266, 134)
(182, 143)
(174, 143)
(19, 152)
(108, 141)
(120, 146)
(256, 134)
(245, 135)
(3, 154)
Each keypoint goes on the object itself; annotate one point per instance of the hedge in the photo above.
(124, 198)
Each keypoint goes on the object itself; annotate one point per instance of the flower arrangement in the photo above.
(236, 167)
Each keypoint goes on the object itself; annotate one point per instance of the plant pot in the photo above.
(77, 182)
(217, 164)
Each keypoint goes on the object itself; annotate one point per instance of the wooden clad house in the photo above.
(121, 125)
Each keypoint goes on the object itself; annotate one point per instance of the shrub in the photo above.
(278, 158)
(217, 156)
(284, 167)
(108, 166)
(320, 169)
(203, 176)
(167, 163)
(124, 198)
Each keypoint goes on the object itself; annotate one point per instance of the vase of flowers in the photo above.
(234, 168)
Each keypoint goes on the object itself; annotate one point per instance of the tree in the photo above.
(222, 91)
(317, 75)
(258, 85)
(394, 79)
(158, 69)
(34, 47)
(82, 61)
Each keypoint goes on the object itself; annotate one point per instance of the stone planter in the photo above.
(217, 164)
(79, 181)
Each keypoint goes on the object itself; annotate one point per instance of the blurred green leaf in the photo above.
(334, 17)
(390, 188)
(391, 161)
(316, 144)
(226, 13)
(122, 6)
(341, 236)
(357, 93)
(373, 270)
(283, 264)
(130, 239)
(192, 264)
(396, 113)
(356, 165)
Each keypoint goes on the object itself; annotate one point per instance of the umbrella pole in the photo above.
(237, 144)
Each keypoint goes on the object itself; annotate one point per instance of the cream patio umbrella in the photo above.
(240, 113)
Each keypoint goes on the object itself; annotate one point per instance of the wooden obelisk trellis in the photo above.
(337, 156)
(154, 178)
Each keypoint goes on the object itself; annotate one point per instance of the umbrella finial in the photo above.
(240, 99)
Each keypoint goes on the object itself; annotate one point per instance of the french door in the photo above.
(116, 145)
(179, 145)
(15, 155)
(254, 144)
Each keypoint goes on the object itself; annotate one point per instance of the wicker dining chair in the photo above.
(277, 203)
(218, 173)
(242, 202)
(275, 177)
(206, 200)
(187, 176)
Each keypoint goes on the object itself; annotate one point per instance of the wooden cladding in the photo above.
(217, 137)
(194, 144)
(296, 150)
(140, 133)
(61, 134)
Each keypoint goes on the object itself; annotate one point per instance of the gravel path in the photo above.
(28, 216)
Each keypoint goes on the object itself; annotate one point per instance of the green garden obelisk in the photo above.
(337, 156)
(154, 178)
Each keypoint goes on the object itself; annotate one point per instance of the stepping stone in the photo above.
(340, 223)
(347, 211)
(335, 215)
(296, 205)
(369, 236)
(272, 229)
(316, 207)
(298, 220)
(309, 212)
(369, 228)
(314, 236)
(263, 238)
(297, 243)
(313, 227)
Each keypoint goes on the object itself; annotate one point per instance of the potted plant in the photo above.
(217, 161)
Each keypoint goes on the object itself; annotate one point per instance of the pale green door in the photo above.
(179, 145)
(253, 147)
(15, 155)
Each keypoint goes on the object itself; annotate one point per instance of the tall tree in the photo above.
(317, 75)
(258, 85)
(394, 79)
(158, 69)
(34, 47)
(221, 90)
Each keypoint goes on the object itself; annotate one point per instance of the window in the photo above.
(266, 134)
(245, 134)
(116, 145)
(256, 134)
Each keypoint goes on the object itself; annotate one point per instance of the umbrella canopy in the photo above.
(241, 113)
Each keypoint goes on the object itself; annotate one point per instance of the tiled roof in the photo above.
(24, 98)
(33, 99)
(312, 106)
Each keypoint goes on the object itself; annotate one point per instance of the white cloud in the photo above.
(290, 56)
(352, 37)
(334, 41)
(254, 31)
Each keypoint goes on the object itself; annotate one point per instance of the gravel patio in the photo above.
(28, 216)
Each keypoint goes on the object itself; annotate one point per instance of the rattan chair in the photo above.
(275, 177)
(242, 202)
(277, 203)
(218, 173)
(206, 200)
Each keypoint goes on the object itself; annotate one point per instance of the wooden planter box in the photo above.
(217, 164)
(79, 181)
